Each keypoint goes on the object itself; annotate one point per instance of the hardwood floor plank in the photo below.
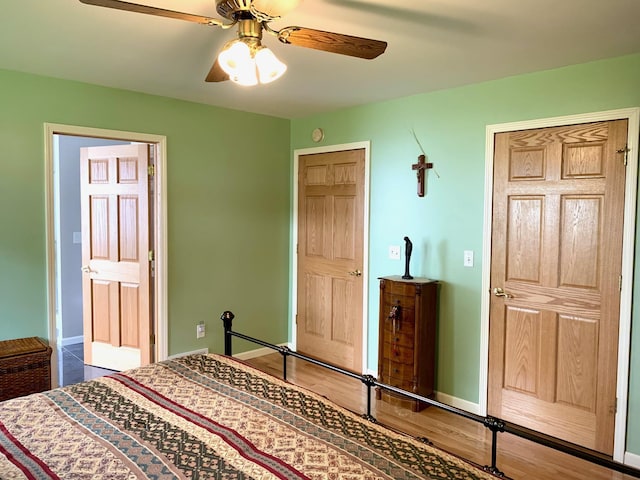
(517, 458)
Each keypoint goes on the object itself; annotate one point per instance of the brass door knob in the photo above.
(499, 292)
(356, 273)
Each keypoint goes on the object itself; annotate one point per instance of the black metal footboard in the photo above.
(495, 425)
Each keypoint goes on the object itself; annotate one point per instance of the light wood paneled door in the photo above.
(330, 256)
(115, 256)
(556, 266)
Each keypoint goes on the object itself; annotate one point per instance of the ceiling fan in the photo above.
(252, 17)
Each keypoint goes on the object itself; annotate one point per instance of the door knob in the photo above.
(498, 292)
(356, 273)
(87, 269)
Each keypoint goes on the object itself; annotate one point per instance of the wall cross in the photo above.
(420, 167)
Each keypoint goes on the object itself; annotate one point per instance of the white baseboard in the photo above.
(72, 340)
(632, 459)
(241, 356)
(456, 402)
(259, 352)
(460, 403)
(184, 354)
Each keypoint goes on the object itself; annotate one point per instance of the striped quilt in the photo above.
(204, 416)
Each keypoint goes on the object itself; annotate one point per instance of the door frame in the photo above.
(366, 145)
(160, 283)
(628, 240)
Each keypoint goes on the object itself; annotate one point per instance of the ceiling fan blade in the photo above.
(332, 42)
(216, 74)
(161, 12)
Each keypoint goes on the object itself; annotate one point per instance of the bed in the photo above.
(205, 416)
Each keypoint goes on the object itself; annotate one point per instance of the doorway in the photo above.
(64, 236)
(576, 328)
(331, 254)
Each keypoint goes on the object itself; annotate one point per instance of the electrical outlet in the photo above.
(200, 331)
(394, 252)
(468, 258)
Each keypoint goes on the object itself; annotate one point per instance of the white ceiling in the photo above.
(433, 44)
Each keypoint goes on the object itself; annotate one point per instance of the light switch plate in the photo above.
(468, 258)
(394, 252)
(200, 330)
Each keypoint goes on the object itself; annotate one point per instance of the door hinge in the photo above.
(151, 256)
(151, 170)
(152, 339)
(626, 151)
(620, 282)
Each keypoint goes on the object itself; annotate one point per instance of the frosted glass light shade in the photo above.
(268, 66)
(246, 75)
(234, 56)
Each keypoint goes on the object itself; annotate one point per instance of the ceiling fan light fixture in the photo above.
(248, 62)
(238, 61)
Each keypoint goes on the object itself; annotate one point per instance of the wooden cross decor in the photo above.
(420, 167)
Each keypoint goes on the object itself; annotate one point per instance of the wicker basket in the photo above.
(25, 367)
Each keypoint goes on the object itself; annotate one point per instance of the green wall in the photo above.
(229, 221)
(228, 205)
(451, 126)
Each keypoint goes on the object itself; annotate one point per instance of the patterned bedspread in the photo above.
(204, 416)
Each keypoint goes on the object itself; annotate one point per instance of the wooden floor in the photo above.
(517, 458)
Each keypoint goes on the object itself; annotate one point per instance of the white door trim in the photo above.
(160, 227)
(626, 297)
(365, 241)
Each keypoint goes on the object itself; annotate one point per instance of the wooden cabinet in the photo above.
(406, 345)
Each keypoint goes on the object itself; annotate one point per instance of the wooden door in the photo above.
(557, 253)
(115, 256)
(330, 257)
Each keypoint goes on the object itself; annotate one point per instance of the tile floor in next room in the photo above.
(72, 368)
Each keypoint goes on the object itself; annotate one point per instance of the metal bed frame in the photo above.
(495, 425)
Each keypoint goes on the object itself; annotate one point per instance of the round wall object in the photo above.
(317, 134)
